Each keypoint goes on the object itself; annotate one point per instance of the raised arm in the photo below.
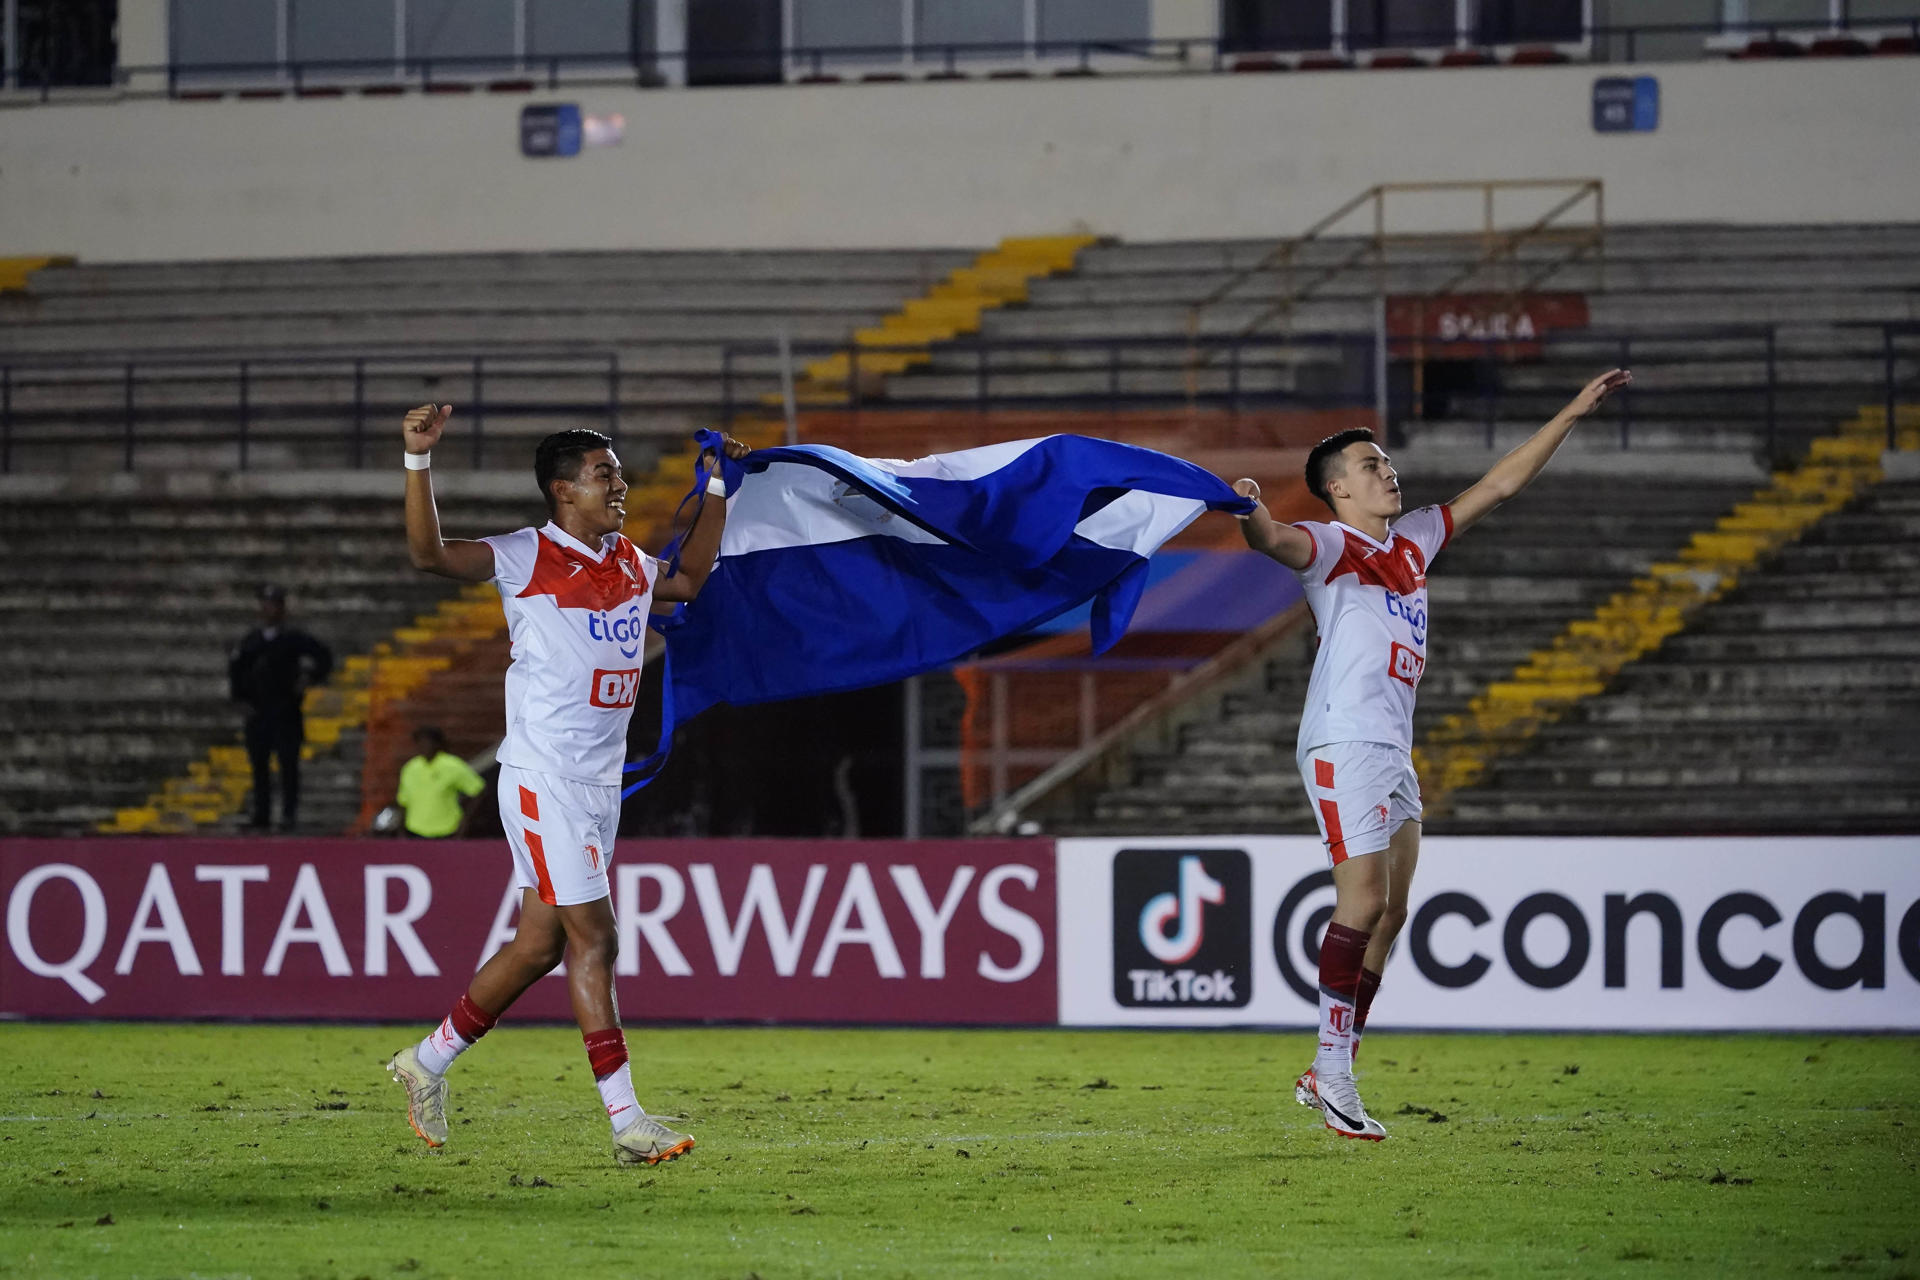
(702, 546)
(1516, 471)
(1290, 546)
(456, 558)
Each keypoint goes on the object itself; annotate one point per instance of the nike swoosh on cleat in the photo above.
(1342, 1116)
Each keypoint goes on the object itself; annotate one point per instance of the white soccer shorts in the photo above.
(1361, 793)
(561, 832)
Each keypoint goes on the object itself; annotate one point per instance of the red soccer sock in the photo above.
(455, 1035)
(607, 1055)
(1363, 1001)
(1342, 956)
(606, 1051)
(469, 1020)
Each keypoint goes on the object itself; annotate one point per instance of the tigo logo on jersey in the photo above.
(614, 689)
(1181, 928)
(627, 630)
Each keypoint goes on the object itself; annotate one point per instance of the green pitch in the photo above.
(268, 1151)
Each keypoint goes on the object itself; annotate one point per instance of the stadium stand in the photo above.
(1751, 710)
(550, 325)
(1651, 281)
(1782, 705)
(100, 715)
(680, 324)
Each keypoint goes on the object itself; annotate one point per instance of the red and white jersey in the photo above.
(1369, 601)
(578, 619)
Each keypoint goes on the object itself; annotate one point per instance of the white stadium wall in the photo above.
(1141, 158)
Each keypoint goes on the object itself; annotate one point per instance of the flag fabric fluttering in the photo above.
(838, 572)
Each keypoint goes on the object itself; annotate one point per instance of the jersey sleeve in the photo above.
(1428, 528)
(1327, 545)
(513, 558)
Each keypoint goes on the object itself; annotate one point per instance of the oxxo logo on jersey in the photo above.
(1182, 928)
(615, 689)
(628, 630)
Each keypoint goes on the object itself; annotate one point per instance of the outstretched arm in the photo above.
(1290, 546)
(702, 547)
(1516, 471)
(455, 558)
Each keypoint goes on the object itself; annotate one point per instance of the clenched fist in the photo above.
(422, 428)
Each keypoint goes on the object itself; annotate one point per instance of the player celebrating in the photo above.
(1366, 583)
(577, 595)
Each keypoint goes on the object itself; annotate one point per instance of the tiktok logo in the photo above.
(1182, 928)
(1184, 911)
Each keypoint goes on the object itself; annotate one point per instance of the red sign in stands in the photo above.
(1467, 326)
(737, 930)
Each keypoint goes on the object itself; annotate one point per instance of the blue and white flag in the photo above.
(838, 572)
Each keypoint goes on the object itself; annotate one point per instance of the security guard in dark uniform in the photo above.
(270, 671)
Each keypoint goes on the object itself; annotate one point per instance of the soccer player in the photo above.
(1365, 574)
(577, 595)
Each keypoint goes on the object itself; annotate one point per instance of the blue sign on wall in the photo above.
(550, 130)
(1626, 104)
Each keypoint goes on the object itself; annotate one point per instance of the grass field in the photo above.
(283, 1151)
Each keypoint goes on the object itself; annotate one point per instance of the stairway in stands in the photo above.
(1789, 704)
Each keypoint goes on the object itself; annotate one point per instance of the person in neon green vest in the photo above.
(433, 787)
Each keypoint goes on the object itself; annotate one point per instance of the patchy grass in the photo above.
(283, 1151)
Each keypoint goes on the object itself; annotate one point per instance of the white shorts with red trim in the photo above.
(561, 832)
(1361, 793)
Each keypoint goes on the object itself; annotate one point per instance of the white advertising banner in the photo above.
(1510, 933)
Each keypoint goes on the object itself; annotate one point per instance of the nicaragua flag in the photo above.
(838, 572)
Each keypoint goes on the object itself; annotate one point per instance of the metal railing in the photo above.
(141, 400)
(1783, 384)
(801, 60)
(1131, 372)
(1499, 246)
(1777, 382)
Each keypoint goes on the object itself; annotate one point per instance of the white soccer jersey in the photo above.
(578, 619)
(1369, 601)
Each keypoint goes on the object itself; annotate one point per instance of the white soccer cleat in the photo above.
(647, 1141)
(1306, 1090)
(426, 1096)
(1342, 1109)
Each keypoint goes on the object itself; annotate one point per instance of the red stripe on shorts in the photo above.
(1322, 774)
(1329, 817)
(539, 853)
(529, 804)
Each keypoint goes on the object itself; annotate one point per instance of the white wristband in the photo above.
(717, 486)
(419, 461)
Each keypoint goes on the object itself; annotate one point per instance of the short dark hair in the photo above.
(558, 457)
(433, 735)
(1320, 461)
